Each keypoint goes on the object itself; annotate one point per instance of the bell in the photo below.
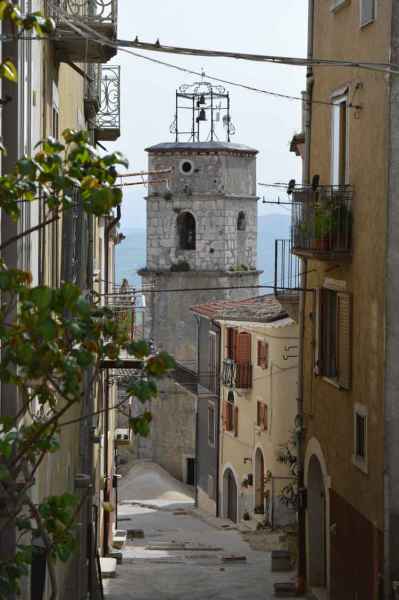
(201, 100)
(202, 115)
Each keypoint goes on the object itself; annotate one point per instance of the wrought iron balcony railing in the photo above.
(322, 222)
(287, 267)
(92, 91)
(238, 375)
(95, 11)
(73, 39)
(108, 117)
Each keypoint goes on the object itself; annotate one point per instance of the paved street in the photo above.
(180, 556)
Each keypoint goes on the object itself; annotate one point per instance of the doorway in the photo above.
(259, 483)
(230, 495)
(317, 525)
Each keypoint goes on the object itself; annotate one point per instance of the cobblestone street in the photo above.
(182, 553)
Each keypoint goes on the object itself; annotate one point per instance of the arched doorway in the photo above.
(316, 510)
(259, 482)
(230, 495)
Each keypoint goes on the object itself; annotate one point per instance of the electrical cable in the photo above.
(104, 41)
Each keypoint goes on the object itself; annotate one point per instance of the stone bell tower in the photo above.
(201, 220)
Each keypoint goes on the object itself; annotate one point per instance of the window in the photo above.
(186, 231)
(360, 436)
(186, 167)
(263, 355)
(211, 424)
(230, 415)
(238, 368)
(333, 336)
(367, 12)
(241, 222)
(262, 416)
(339, 151)
(337, 4)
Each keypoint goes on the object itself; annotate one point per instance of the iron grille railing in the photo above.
(238, 375)
(108, 116)
(287, 267)
(95, 11)
(93, 85)
(322, 219)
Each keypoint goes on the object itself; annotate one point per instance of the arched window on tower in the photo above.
(241, 221)
(186, 231)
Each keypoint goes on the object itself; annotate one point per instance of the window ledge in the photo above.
(360, 464)
(364, 25)
(338, 4)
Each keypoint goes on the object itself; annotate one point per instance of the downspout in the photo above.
(301, 568)
(217, 425)
(108, 230)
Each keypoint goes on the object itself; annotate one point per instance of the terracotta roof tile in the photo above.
(259, 309)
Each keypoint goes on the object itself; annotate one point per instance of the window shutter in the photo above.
(317, 321)
(266, 355)
(344, 342)
(225, 415)
(243, 355)
(236, 421)
(259, 354)
(265, 417)
(259, 414)
(367, 11)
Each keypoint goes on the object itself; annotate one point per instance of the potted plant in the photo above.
(323, 227)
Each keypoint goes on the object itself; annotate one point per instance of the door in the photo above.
(231, 497)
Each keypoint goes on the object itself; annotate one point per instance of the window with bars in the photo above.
(262, 415)
(367, 12)
(211, 424)
(263, 354)
(360, 436)
(333, 336)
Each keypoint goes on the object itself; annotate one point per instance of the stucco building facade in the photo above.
(344, 230)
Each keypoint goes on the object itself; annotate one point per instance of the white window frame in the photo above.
(361, 463)
(337, 98)
(373, 18)
(337, 4)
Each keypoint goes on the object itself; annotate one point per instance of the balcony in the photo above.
(237, 375)
(108, 117)
(287, 277)
(79, 22)
(322, 222)
(92, 96)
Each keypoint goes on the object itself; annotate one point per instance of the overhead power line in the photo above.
(90, 34)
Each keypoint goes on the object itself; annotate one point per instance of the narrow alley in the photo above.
(182, 554)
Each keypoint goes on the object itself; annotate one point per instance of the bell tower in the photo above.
(201, 219)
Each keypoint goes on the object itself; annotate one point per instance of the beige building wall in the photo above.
(274, 386)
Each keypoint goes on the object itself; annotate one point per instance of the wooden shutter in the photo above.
(243, 355)
(265, 422)
(236, 421)
(344, 341)
(317, 333)
(260, 344)
(231, 343)
(259, 414)
(225, 415)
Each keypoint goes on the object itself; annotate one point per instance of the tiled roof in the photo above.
(261, 309)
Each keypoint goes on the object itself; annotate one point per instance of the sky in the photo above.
(148, 90)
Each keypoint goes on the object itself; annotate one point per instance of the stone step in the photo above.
(108, 567)
(281, 561)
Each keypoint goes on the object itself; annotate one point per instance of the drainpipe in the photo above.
(301, 567)
(108, 230)
(197, 318)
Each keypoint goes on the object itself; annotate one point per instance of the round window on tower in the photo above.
(186, 167)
